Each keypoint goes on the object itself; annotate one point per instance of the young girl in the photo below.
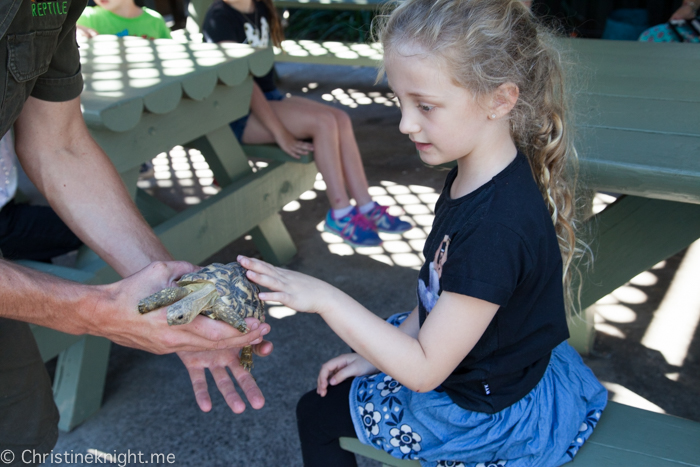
(480, 372)
(287, 122)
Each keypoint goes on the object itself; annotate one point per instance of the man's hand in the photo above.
(217, 361)
(116, 317)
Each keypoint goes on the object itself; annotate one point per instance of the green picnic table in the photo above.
(142, 98)
(638, 136)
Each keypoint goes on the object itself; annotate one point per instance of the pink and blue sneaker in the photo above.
(354, 228)
(385, 222)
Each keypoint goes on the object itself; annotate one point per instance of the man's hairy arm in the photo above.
(81, 184)
(83, 187)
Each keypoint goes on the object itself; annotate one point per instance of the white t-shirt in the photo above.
(8, 169)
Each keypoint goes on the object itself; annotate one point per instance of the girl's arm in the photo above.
(260, 107)
(420, 362)
(349, 365)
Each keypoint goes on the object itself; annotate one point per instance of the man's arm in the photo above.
(110, 310)
(81, 184)
(83, 187)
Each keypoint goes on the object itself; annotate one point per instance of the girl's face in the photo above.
(444, 120)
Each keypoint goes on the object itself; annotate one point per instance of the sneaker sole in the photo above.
(352, 244)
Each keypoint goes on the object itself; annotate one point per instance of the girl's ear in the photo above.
(504, 99)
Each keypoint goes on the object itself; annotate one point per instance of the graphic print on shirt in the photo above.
(49, 8)
(255, 37)
(429, 294)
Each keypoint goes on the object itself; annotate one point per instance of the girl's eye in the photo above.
(425, 108)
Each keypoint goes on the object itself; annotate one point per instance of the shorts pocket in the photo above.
(30, 54)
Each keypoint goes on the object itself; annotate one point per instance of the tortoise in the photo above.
(219, 291)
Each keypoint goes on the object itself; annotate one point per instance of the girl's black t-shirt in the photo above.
(223, 23)
(498, 244)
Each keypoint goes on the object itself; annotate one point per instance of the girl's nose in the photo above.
(408, 124)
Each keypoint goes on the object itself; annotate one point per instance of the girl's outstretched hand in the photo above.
(292, 146)
(293, 289)
(340, 368)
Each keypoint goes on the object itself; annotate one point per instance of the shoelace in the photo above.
(377, 212)
(359, 221)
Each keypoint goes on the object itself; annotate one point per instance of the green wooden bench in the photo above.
(142, 98)
(625, 436)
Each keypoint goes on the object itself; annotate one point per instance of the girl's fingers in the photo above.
(341, 375)
(273, 296)
(255, 264)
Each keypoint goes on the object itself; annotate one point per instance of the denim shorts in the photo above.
(238, 126)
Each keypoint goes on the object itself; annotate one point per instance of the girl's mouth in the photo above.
(422, 146)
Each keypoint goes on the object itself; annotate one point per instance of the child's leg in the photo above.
(353, 169)
(336, 154)
(321, 421)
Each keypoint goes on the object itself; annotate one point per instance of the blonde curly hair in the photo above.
(486, 43)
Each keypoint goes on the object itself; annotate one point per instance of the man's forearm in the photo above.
(83, 186)
(31, 296)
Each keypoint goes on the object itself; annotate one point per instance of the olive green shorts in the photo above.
(28, 414)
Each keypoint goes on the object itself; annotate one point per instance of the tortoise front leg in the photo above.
(229, 315)
(163, 298)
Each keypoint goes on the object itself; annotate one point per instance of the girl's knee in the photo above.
(325, 122)
(342, 118)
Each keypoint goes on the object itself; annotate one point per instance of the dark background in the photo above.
(582, 18)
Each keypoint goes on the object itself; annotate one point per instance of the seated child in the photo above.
(479, 373)
(122, 18)
(289, 121)
(683, 26)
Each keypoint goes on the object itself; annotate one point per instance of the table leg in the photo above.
(80, 379)
(627, 238)
(229, 163)
(273, 241)
(224, 155)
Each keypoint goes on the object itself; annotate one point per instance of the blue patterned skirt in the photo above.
(545, 428)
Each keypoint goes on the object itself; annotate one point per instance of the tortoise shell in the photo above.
(238, 297)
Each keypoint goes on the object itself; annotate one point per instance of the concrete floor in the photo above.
(647, 350)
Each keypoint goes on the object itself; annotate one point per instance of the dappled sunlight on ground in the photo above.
(352, 98)
(413, 203)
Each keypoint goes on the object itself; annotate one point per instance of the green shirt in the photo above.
(149, 24)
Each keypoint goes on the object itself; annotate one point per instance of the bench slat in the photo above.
(630, 436)
(663, 166)
(605, 456)
(624, 436)
(648, 114)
